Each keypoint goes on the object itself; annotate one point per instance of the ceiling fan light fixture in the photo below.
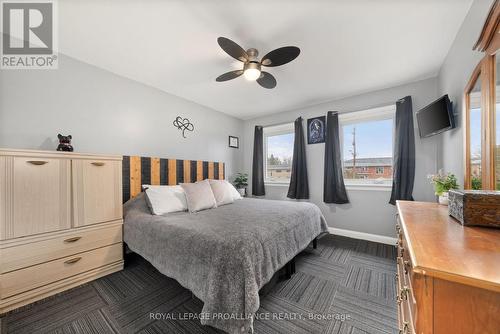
(252, 65)
(252, 71)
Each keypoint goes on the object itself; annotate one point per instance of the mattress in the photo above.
(226, 254)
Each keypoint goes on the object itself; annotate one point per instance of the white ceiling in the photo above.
(348, 47)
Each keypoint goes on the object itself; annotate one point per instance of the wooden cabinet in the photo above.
(97, 188)
(34, 195)
(448, 277)
(60, 222)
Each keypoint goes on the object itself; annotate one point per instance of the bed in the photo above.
(223, 255)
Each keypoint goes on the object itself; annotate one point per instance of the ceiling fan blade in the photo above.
(266, 80)
(229, 75)
(232, 49)
(280, 56)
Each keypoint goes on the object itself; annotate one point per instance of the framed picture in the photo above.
(316, 130)
(234, 142)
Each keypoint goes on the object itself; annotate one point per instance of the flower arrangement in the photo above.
(443, 182)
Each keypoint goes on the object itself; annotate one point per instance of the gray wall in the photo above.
(454, 75)
(110, 114)
(369, 211)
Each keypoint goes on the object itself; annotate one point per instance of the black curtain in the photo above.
(333, 187)
(258, 163)
(404, 152)
(299, 186)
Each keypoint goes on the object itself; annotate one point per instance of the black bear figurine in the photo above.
(64, 143)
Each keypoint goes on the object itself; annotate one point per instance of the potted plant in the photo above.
(442, 184)
(241, 182)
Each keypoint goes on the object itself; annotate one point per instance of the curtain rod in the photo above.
(369, 108)
(338, 112)
(278, 124)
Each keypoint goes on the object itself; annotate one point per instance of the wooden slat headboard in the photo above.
(158, 171)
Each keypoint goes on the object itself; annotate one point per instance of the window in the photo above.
(475, 133)
(278, 153)
(367, 144)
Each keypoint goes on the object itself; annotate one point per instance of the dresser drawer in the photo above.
(407, 281)
(35, 195)
(405, 293)
(408, 325)
(401, 319)
(403, 287)
(61, 245)
(97, 191)
(18, 281)
(405, 299)
(405, 324)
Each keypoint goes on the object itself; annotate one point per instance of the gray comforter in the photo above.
(224, 255)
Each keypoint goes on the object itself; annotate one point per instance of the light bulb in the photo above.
(251, 74)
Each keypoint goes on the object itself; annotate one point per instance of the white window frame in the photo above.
(368, 115)
(270, 131)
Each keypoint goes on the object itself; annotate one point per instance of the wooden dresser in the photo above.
(448, 276)
(60, 222)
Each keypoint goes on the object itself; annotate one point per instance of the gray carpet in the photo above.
(343, 286)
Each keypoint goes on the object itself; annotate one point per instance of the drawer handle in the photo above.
(98, 164)
(405, 329)
(74, 260)
(37, 162)
(75, 239)
(406, 265)
(404, 293)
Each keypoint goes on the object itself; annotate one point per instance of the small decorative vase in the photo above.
(242, 191)
(443, 199)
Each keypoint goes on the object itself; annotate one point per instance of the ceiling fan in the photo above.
(252, 67)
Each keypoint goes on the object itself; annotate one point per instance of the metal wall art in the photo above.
(184, 125)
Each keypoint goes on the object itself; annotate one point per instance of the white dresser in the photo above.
(60, 222)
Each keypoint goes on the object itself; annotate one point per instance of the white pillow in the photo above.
(199, 196)
(165, 199)
(222, 191)
(235, 193)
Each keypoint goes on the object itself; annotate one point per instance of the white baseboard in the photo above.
(363, 236)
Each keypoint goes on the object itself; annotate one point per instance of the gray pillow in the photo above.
(199, 196)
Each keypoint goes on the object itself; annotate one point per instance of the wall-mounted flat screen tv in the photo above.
(437, 117)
